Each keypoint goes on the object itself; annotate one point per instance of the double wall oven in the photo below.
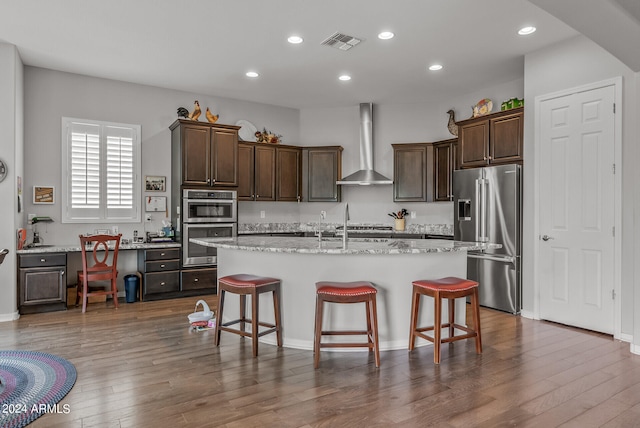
(207, 214)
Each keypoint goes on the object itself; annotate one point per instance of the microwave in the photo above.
(209, 206)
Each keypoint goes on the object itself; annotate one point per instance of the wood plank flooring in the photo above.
(142, 366)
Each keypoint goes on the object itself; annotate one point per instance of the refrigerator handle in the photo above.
(477, 213)
(482, 184)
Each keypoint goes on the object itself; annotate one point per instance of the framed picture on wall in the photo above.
(43, 195)
(155, 183)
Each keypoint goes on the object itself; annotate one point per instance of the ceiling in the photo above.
(205, 47)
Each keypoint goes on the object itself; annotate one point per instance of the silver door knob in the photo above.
(546, 237)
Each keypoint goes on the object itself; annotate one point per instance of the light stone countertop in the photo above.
(76, 248)
(334, 245)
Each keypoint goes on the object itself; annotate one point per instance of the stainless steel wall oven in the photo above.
(207, 214)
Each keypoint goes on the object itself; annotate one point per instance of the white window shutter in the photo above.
(102, 162)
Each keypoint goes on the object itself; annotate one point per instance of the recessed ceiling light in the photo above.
(525, 31)
(295, 40)
(344, 77)
(252, 74)
(386, 35)
(435, 67)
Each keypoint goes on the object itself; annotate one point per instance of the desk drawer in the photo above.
(44, 259)
(199, 278)
(162, 266)
(162, 254)
(161, 282)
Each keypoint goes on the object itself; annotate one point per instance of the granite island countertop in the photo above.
(334, 245)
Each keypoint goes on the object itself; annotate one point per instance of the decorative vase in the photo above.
(400, 224)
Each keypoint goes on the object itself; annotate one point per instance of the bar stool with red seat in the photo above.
(449, 288)
(346, 292)
(249, 285)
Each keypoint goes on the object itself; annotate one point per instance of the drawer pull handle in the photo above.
(162, 283)
(43, 260)
(161, 266)
(161, 254)
(195, 280)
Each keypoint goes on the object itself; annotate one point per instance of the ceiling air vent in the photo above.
(341, 41)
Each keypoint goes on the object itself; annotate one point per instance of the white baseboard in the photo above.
(9, 317)
(625, 338)
(528, 315)
(635, 349)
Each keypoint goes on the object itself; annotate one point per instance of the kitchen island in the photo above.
(390, 264)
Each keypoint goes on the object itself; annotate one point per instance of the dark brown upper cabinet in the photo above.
(322, 168)
(288, 173)
(492, 139)
(208, 153)
(412, 169)
(445, 162)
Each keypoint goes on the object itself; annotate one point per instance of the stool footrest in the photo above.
(347, 345)
(345, 332)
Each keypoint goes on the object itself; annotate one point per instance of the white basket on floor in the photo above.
(204, 315)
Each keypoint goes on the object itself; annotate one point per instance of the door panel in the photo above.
(576, 216)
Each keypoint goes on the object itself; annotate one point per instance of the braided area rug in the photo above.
(31, 383)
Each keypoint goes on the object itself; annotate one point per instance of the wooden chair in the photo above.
(104, 252)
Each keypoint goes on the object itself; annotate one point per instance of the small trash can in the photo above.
(131, 283)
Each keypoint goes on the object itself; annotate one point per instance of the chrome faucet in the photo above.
(344, 231)
(320, 229)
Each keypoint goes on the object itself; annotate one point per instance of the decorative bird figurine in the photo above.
(196, 111)
(453, 128)
(183, 112)
(212, 118)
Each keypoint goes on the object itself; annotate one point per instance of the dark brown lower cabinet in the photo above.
(42, 285)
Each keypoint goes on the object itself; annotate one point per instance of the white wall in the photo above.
(11, 138)
(393, 123)
(565, 65)
(50, 95)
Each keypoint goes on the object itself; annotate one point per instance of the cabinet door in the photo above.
(506, 139)
(288, 173)
(245, 172)
(443, 168)
(196, 155)
(224, 157)
(410, 172)
(44, 285)
(474, 144)
(324, 169)
(265, 177)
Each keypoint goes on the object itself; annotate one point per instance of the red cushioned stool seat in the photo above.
(346, 292)
(449, 288)
(249, 285)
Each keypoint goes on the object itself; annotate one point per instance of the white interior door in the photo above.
(577, 212)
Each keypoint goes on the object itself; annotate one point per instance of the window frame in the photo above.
(101, 214)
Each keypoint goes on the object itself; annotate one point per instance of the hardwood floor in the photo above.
(142, 366)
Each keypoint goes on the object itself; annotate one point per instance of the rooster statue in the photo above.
(183, 112)
(196, 111)
(453, 128)
(212, 118)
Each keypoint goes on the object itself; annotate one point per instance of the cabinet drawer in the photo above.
(161, 282)
(162, 265)
(163, 254)
(40, 260)
(199, 278)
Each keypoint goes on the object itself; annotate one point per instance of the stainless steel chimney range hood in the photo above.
(366, 175)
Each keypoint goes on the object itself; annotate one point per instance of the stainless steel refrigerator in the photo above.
(488, 208)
